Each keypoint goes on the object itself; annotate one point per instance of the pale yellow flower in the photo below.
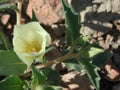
(30, 41)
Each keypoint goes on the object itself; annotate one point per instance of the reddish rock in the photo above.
(113, 72)
(117, 24)
(4, 19)
(47, 11)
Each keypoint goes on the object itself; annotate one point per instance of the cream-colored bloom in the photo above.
(30, 41)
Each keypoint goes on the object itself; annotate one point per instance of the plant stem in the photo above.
(19, 12)
(55, 61)
(58, 60)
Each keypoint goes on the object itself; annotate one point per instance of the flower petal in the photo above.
(30, 41)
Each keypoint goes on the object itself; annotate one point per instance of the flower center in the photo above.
(32, 47)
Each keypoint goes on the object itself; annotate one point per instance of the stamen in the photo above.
(32, 47)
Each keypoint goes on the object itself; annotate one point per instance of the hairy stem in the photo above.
(58, 60)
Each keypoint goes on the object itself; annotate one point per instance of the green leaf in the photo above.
(91, 70)
(49, 88)
(49, 48)
(97, 55)
(53, 77)
(5, 6)
(72, 24)
(4, 0)
(94, 51)
(72, 64)
(57, 87)
(81, 41)
(41, 79)
(89, 50)
(34, 18)
(53, 88)
(10, 64)
(101, 58)
(12, 83)
(2, 47)
(38, 79)
(5, 40)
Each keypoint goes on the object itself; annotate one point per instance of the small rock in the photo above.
(117, 24)
(95, 35)
(100, 38)
(114, 45)
(108, 40)
(86, 31)
(115, 6)
(103, 44)
(112, 71)
(99, 34)
(118, 41)
(92, 41)
(109, 25)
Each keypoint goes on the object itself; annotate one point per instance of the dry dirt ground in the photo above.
(101, 19)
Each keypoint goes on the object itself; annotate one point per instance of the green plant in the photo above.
(80, 55)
